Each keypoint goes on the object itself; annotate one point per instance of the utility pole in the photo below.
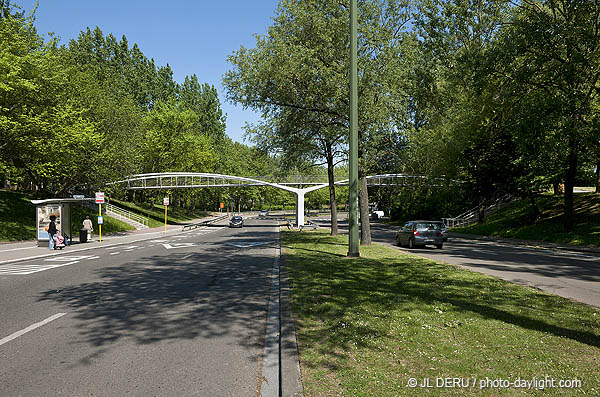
(353, 241)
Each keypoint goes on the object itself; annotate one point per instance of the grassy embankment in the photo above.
(516, 221)
(156, 212)
(366, 326)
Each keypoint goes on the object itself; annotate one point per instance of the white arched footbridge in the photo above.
(182, 180)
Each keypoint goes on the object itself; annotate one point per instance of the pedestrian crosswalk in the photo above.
(66, 260)
(50, 263)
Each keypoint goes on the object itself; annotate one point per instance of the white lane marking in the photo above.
(115, 253)
(158, 241)
(30, 328)
(180, 245)
(29, 269)
(20, 270)
(68, 258)
(187, 256)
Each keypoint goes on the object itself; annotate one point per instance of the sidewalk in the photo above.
(527, 243)
(26, 250)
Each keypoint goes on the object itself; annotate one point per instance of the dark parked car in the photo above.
(421, 233)
(236, 221)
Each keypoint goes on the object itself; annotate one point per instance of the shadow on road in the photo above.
(213, 293)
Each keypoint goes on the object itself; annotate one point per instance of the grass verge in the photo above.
(111, 225)
(516, 221)
(156, 213)
(366, 326)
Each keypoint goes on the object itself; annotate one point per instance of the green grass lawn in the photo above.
(366, 326)
(156, 212)
(111, 225)
(515, 221)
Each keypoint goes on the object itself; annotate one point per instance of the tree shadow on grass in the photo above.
(325, 293)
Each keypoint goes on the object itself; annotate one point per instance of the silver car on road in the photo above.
(421, 233)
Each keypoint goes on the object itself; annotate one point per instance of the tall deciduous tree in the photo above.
(297, 76)
(556, 51)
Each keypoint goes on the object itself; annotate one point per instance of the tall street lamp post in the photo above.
(353, 241)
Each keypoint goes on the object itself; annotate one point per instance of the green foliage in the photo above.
(17, 216)
(424, 202)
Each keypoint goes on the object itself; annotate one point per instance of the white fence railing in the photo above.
(123, 214)
(472, 216)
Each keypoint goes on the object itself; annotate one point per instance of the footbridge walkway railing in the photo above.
(299, 185)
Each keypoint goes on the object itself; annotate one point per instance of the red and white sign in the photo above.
(99, 197)
(166, 201)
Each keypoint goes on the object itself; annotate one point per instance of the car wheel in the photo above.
(411, 243)
(398, 243)
(439, 246)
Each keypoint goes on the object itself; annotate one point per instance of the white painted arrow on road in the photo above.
(180, 245)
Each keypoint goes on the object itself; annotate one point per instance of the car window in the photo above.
(429, 225)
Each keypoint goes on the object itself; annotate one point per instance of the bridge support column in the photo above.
(300, 208)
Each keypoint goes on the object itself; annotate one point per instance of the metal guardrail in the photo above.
(121, 214)
(472, 216)
(203, 223)
(309, 225)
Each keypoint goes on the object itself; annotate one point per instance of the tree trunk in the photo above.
(331, 181)
(570, 181)
(536, 210)
(558, 188)
(598, 178)
(363, 196)
(481, 214)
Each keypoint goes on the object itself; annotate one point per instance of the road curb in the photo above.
(527, 243)
(291, 379)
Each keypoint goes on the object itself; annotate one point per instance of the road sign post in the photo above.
(166, 204)
(100, 201)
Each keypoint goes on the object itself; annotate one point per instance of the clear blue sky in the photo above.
(191, 36)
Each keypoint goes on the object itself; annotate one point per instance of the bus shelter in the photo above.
(61, 209)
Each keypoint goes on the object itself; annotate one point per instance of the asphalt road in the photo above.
(173, 316)
(568, 274)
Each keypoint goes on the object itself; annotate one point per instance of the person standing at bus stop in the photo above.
(51, 231)
(87, 225)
